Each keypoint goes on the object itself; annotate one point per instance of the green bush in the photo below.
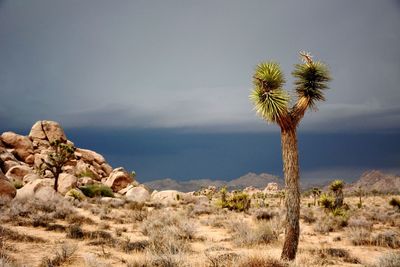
(87, 173)
(18, 184)
(238, 201)
(326, 201)
(97, 190)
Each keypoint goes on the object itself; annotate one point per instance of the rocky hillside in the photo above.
(250, 179)
(22, 159)
(376, 180)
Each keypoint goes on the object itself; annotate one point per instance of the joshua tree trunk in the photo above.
(292, 200)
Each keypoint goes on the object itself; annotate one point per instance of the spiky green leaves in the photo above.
(311, 79)
(269, 99)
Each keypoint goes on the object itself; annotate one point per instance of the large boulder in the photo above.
(47, 130)
(18, 172)
(167, 197)
(118, 179)
(41, 189)
(251, 190)
(30, 177)
(83, 169)
(271, 189)
(89, 156)
(138, 194)
(22, 145)
(66, 182)
(7, 190)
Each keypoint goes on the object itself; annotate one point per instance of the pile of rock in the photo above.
(22, 156)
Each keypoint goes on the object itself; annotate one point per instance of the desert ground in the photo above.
(194, 232)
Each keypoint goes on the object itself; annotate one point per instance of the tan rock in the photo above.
(6, 155)
(119, 179)
(271, 189)
(41, 189)
(30, 177)
(106, 168)
(47, 130)
(82, 181)
(7, 190)
(84, 169)
(9, 164)
(89, 155)
(112, 201)
(138, 194)
(167, 197)
(17, 173)
(66, 182)
(21, 144)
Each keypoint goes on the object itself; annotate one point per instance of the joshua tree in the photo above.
(337, 188)
(60, 155)
(316, 192)
(272, 104)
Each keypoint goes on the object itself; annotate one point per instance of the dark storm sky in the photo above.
(162, 87)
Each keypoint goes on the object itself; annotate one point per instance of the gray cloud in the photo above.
(174, 64)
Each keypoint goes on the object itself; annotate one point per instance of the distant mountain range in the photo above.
(370, 180)
(376, 180)
(251, 179)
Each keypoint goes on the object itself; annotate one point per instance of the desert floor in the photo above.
(91, 233)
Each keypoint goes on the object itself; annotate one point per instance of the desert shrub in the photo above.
(391, 259)
(243, 235)
(56, 227)
(9, 234)
(225, 259)
(326, 201)
(307, 215)
(265, 215)
(359, 222)
(62, 255)
(96, 190)
(128, 246)
(86, 173)
(359, 236)
(394, 202)
(28, 209)
(326, 253)
(260, 261)
(91, 260)
(329, 223)
(75, 194)
(387, 238)
(237, 201)
(168, 236)
(18, 184)
(75, 231)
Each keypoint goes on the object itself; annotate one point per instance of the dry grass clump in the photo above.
(263, 233)
(225, 259)
(360, 236)
(8, 234)
(91, 260)
(391, 259)
(260, 261)
(264, 214)
(360, 222)
(329, 223)
(388, 238)
(62, 255)
(307, 215)
(327, 253)
(168, 237)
